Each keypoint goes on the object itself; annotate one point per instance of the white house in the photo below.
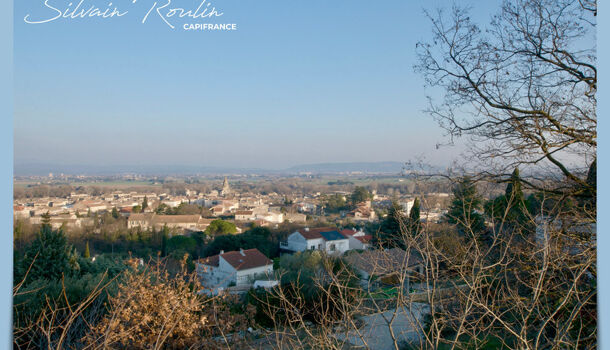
(238, 268)
(273, 217)
(172, 203)
(327, 239)
(244, 215)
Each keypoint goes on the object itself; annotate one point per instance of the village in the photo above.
(310, 223)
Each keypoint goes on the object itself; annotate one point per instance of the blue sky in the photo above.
(298, 82)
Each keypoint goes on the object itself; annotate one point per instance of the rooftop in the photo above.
(332, 235)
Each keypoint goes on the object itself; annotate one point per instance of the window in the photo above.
(313, 247)
(333, 247)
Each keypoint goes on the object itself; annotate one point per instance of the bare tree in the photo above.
(522, 88)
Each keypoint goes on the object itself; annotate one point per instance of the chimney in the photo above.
(241, 251)
(222, 252)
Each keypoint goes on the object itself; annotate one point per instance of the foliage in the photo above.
(154, 309)
(360, 195)
(164, 238)
(220, 227)
(463, 209)
(247, 240)
(335, 203)
(49, 256)
(313, 282)
(183, 243)
(41, 306)
(392, 227)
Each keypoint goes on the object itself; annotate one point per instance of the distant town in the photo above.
(298, 206)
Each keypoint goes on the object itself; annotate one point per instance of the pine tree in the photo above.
(462, 211)
(87, 254)
(144, 204)
(49, 256)
(115, 213)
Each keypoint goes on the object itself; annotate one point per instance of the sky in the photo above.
(298, 82)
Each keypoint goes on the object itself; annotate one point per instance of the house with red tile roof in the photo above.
(357, 239)
(240, 267)
(363, 212)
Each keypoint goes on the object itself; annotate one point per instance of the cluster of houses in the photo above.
(236, 269)
(242, 269)
(73, 211)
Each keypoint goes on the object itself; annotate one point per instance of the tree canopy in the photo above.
(360, 195)
(220, 227)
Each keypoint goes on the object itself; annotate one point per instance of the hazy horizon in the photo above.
(40, 169)
(298, 83)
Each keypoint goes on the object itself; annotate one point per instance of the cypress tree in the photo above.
(46, 219)
(87, 254)
(164, 242)
(514, 193)
(414, 219)
(515, 200)
(391, 232)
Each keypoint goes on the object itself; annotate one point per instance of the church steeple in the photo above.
(226, 189)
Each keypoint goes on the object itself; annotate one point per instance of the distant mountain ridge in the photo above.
(365, 167)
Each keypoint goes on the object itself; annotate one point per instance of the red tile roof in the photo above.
(250, 259)
(314, 233)
(211, 260)
(365, 238)
(348, 232)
